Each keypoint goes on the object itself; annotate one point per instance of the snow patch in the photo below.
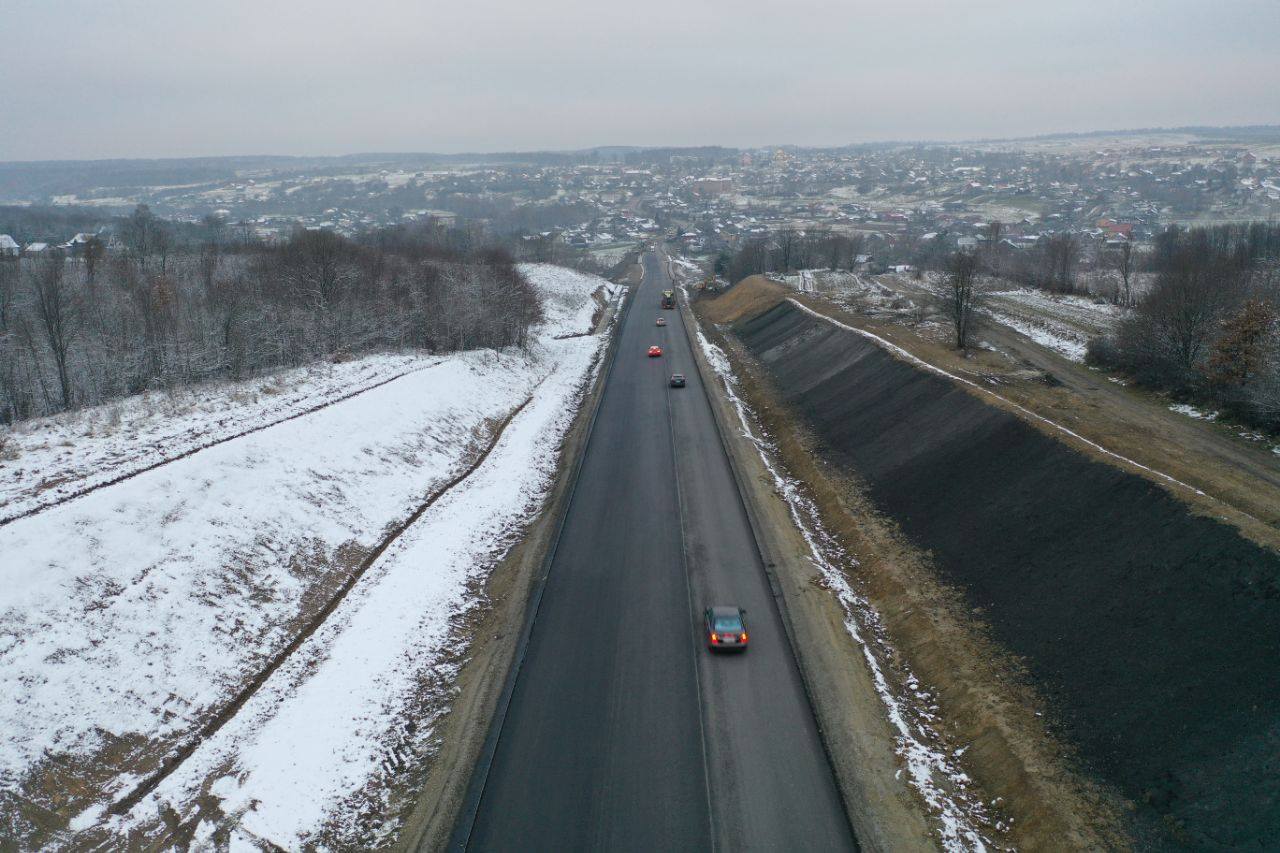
(1193, 412)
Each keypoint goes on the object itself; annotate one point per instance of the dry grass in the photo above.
(748, 298)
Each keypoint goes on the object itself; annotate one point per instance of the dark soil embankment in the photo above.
(1154, 632)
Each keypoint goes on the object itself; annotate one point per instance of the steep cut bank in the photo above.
(1152, 631)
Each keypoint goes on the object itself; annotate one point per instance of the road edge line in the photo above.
(693, 612)
(775, 587)
(464, 824)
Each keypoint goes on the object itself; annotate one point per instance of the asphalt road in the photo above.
(624, 732)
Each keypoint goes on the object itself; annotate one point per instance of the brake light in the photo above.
(715, 638)
(743, 636)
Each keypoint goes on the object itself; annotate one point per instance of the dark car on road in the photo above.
(726, 628)
(677, 380)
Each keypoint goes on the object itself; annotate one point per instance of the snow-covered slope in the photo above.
(59, 457)
(134, 613)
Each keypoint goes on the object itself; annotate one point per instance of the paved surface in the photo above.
(624, 732)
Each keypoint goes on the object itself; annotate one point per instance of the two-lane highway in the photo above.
(623, 731)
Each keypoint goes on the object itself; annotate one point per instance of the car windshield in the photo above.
(727, 623)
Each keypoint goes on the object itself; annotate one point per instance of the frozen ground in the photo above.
(58, 457)
(136, 611)
(1063, 323)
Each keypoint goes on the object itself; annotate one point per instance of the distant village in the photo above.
(899, 201)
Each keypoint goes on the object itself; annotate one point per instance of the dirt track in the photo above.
(1110, 590)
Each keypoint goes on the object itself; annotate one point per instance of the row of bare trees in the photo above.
(79, 331)
(1056, 263)
(1209, 329)
(789, 249)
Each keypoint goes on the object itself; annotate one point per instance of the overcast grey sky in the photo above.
(143, 78)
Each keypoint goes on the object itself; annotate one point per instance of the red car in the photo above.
(655, 352)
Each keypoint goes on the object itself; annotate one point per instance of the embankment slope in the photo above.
(1152, 631)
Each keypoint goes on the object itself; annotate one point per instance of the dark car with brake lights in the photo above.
(726, 628)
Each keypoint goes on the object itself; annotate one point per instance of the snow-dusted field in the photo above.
(133, 613)
(58, 457)
(1063, 323)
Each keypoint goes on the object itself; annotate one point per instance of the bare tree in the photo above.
(1122, 259)
(92, 254)
(1060, 253)
(856, 244)
(751, 259)
(1169, 336)
(994, 230)
(141, 234)
(786, 240)
(8, 290)
(962, 295)
(56, 311)
(213, 311)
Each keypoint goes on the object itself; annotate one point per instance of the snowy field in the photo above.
(135, 612)
(1063, 323)
(851, 290)
(58, 457)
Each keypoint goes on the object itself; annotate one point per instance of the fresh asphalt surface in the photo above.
(624, 732)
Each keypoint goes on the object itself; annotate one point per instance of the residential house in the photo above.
(76, 245)
(9, 247)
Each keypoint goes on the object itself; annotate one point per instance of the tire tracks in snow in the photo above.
(130, 474)
(228, 712)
